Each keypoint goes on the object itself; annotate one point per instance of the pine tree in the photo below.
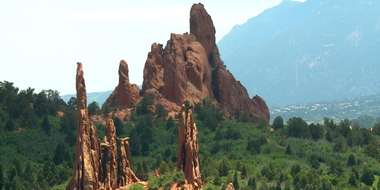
(17, 164)
(236, 181)
(278, 186)
(170, 166)
(288, 150)
(2, 179)
(217, 180)
(145, 166)
(244, 172)
(157, 163)
(28, 173)
(140, 172)
(252, 182)
(9, 125)
(46, 125)
(352, 179)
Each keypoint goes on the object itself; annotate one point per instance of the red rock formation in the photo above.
(126, 175)
(188, 152)
(190, 68)
(124, 93)
(230, 187)
(96, 164)
(87, 149)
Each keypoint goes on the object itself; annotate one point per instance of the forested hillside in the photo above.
(37, 143)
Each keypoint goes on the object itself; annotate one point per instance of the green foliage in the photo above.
(2, 178)
(160, 111)
(9, 125)
(278, 123)
(352, 179)
(252, 182)
(298, 128)
(140, 173)
(288, 150)
(136, 187)
(367, 177)
(45, 126)
(236, 181)
(170, 123)
(179, 177)
(208, 114)
(118, 126)
(313, 161)
(93, 108)
(351, 160)
(143, 106)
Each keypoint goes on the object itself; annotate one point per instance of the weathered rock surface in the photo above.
(87, 148)
(124, 93)
(190, 68)
(188, 152)
(230, 187)
(96, 164)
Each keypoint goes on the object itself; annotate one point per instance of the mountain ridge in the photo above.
(323, 57)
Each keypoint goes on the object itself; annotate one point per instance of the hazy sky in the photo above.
(41, 41)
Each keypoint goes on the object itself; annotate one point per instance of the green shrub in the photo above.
(136, 187)
(179, 177)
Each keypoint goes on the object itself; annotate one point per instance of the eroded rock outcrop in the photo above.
(87, 147)
(188, 152)
(124, 93)
(96, 164)
(190, 68)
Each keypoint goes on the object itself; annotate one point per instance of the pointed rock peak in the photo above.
(123, 72)
(202, 27)
(81, 88)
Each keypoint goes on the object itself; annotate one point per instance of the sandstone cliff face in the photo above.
(190, 68)
(124, 93)
(188, 152)
(96, 164)
(180, 71)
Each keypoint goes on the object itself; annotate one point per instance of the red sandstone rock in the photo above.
(230, 187)
(96, 164)
(124, 93)
(182, 70)
(87, 148)
(188, 151)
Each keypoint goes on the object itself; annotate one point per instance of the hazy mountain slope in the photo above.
(99, 97)
(320, 50)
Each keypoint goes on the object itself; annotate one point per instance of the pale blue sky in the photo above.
(41, 41)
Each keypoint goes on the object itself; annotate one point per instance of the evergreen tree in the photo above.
(17, 164)
(160, 111)
(157, 163)
(352, 179)
(28, 173)
(170, 166)
(329, 135)
(140, 172)
(278, 186)
(278, 123)
(12, 173)
(368, 177)
(238, 166)
(252, 182)
(9, 125)
(118, 126)
(46, 125)
(218, 135)
(163, 169)
(244, 171)
(288, 150)
(145, 148)
(236, 181)
(145, 166)
(170, 123)
(351, 160)
(217, 180)
(2, 178)
(93, 107)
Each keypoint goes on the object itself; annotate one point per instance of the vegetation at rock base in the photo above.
(297, 155)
